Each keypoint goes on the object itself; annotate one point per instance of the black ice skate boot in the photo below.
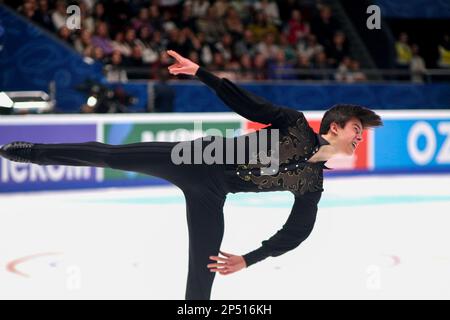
(18, 151)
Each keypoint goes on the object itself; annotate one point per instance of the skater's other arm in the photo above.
(243, 102)
(296, 229)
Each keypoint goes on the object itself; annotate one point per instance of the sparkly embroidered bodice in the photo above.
(295, 174)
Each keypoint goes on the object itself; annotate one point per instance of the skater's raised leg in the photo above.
(151, 158)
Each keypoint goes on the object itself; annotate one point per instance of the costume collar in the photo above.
(322, 141)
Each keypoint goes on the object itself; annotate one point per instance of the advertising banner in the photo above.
(25, 177)
(170, 131)
(416, 144)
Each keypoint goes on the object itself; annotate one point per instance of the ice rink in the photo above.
(376, 237)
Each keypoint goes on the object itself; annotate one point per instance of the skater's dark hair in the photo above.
(342, 113)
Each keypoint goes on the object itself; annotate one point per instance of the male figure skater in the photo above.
(301, 156)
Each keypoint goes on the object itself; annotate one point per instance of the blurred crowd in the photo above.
(244, 39)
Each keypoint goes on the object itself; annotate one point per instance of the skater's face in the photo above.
(349, 136)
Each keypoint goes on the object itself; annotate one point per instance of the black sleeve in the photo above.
(247, 104)
(296, 229)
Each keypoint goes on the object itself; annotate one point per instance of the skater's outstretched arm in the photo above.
(296, 229)
(243, 102)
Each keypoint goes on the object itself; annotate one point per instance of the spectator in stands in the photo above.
(119, 44)
(338, 49)
(343, 71)
(260, 67)
(246, 67)
(203, 48)
(87, 22)
(220, 7)
(98, 54)
(296, 29)
(118, 13)
(135, 60)
(304, 63)
(169, 5)
(321, 65)
(99, 13)
(324, 25)
(286, 7)
(218, 62)
(59, 16)
(289, 51)
(137, 66)
(349, 71)
(101, 38)
(280, 69)
(309, 48)
(65, 34)
(270, 9)
(193, 56)
(142, 20)
(155, 18)
(159, 42)
(83, 41)
(130, 39)
(444, 52)
(417, 65)
(180, 39)
(211, 25)
(234, 24)
(232, 69)
(225, 47)
(247, 45)
(356, 75)
(164, 61)
(403, 51)
(268, 48)
(145, 41)
(199, 7)
(43, 16)
(187, 20)
(28, 9)
(114, 71)
(260, 26)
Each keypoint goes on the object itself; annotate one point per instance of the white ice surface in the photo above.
(379, 237)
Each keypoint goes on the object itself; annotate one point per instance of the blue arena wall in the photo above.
(199, 98)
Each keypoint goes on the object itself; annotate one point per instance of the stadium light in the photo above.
(25, 101)
(5, 101)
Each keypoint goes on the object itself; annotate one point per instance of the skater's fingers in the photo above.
(181, 70)
(174, 71)
(216, 265)
(218, 258)
(226, 272)
(217, 270)
(175, 65)
(175, 55)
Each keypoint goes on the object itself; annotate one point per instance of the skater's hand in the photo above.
(182, 65)
(228, 265)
